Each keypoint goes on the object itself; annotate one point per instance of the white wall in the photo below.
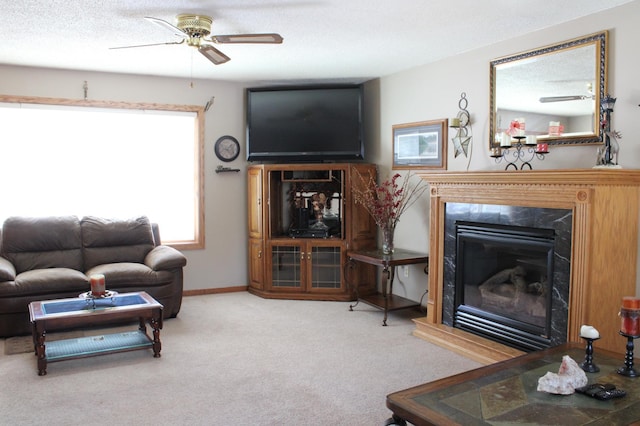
(432, 92)
(223, 261)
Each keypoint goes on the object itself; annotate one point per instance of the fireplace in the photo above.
(507, 272)
(502, 287)
(594, 218)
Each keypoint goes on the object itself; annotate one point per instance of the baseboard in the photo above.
(203, 291)
(466, 344)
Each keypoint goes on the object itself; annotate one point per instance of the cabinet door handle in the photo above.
(260, 254)
(301, 255)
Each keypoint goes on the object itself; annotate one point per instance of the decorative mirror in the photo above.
(553, 92)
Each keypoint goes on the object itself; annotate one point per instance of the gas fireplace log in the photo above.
(508, 290)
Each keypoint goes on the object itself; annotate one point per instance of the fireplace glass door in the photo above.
(504, 283)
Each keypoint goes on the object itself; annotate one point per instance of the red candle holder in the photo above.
(630, 316)
(629, 328)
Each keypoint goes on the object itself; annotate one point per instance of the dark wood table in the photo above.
(385, 299)
(58, 314)
(505, 393)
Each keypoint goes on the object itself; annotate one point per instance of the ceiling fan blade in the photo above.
(213, 54)
(164, 24)
(563, 98)
(147, 45)
(248, 38)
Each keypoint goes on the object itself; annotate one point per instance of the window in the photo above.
(114, 160)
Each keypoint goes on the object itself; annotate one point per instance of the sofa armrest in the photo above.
(7, 270)
(164, 258)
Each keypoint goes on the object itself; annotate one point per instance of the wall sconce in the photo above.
(462, 124)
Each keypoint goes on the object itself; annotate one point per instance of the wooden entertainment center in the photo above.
(302, 220)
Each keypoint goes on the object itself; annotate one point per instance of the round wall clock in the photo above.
(227, 148)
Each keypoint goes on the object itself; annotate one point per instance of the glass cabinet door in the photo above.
(286, 266)
(326, 267)
(306, 266)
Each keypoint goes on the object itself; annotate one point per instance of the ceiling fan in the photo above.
(589, 95)
(195, 31)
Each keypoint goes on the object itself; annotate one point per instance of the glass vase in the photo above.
(387, 240)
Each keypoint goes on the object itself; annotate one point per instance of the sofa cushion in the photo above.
(165, 257)
(126, 274)
(7, 270)
(42, 242)
(113, 241)
(44, 282)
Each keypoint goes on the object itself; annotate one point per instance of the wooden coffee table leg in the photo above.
(39, 335)
(34, 336)
(142, 325)
(156, 325)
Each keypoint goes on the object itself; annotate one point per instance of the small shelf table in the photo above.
(386, 300)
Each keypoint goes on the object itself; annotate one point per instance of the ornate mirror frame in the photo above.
(554, 92)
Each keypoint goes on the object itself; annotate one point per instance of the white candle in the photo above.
(505, 140)
(532, 140)
(589, 332)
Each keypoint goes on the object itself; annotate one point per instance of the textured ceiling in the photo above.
(324, 40)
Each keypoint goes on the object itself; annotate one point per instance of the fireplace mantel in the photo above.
(605, 205)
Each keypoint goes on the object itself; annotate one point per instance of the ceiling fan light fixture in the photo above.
(213, 54)
(195, 26)
(194, 41)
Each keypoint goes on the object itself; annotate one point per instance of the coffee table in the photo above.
(85, 311)
(505, 393)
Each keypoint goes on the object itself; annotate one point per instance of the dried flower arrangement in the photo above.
(387, 201)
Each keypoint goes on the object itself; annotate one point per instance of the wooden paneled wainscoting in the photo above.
(604, 246)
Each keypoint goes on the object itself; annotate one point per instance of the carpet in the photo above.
(24, 344)
(235, 358)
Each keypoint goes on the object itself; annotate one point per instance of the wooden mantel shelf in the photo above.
(551, 177)
(605, 205)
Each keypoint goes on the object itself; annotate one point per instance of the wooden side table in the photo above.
(385, 299)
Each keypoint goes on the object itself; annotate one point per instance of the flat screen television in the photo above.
(304, 124)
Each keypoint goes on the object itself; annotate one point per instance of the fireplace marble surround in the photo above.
(533, 332)
(604, 245)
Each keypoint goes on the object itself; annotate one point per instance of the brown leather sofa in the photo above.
(52, 257)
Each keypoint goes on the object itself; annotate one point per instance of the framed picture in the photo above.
(420, 145)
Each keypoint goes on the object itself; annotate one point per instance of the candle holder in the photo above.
(522, 153)
(588, 364)
(627, 369)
